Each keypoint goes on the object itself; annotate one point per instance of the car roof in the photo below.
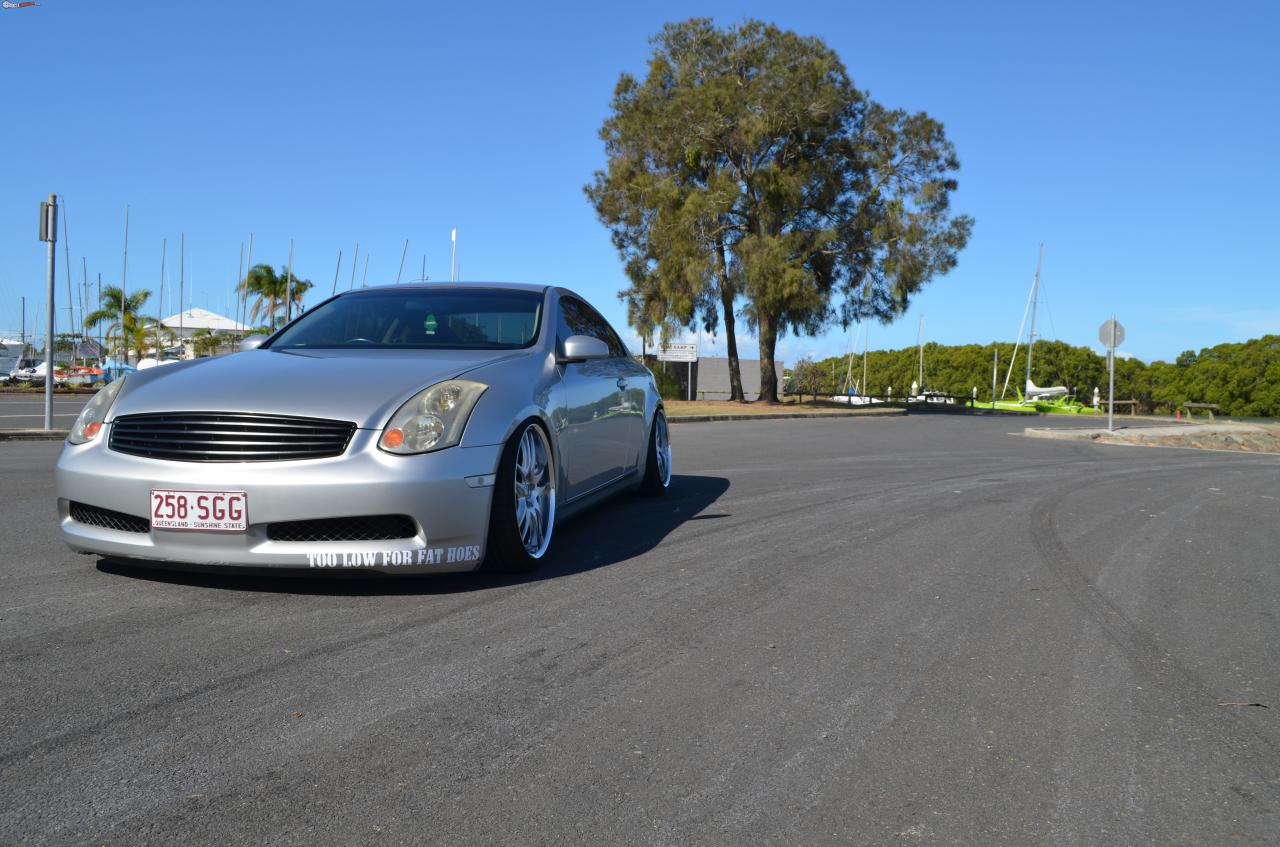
(501, 286)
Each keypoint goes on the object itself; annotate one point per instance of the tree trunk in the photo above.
(727, 296)
(768, 326)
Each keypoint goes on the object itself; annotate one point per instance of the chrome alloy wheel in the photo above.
(535, 491)
(662, 448)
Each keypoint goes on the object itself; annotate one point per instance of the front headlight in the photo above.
(89, 424)
(432, 419)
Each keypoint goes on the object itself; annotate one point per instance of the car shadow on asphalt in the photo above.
(614, 531)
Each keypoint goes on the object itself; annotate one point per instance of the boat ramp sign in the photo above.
(678, 353)
(1111, 334)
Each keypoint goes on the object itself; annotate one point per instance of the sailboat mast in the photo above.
(920, 344)
(866, 343)
(182, 290)
(164, 259)
(1035, 295)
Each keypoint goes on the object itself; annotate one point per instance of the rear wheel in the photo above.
(523, 515)
(657, 466)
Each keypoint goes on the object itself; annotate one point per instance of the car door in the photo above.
(594, 416)
(632, 379)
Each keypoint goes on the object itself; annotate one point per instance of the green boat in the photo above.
(1051, 400)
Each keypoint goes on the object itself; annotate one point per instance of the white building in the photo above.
(185, 325)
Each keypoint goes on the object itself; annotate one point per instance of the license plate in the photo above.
(212, 511)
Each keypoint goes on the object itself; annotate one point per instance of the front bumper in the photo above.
(446, 493)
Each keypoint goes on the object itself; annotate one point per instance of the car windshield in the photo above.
(420, 319)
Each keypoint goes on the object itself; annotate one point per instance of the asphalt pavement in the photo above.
(26, 410)
(919, 630)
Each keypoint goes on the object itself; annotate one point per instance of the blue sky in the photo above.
(1137, 141)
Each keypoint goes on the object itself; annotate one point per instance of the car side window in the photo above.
(578, 318)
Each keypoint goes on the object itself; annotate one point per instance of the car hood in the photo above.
(364, 386)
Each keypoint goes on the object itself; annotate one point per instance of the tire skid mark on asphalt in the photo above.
(882, 492)
(636, 667)
(829, 713)
(593, 662)
(178, 729)
(1118, 804)
(169, 701)
(810, 764)
(1247, 738)
(813, 707)
(885, 532)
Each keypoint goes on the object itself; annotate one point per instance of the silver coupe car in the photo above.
(425, 428)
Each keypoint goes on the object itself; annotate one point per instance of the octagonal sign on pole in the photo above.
(1111, 334)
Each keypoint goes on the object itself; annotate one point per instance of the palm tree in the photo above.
(121, 312)
(140, 336)
(270, 289)
(206, 342)
(165, 338)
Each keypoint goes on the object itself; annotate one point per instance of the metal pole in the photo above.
(124, 289)
(335, 274)
(239, 277)
(1111, 377)
(71, 298)
(866, 345)
(403, 253)
(690, 379)
(84, 298)
(364, 280)
(920, 343)
(52, 224)
(355, 260)
(164, 260)
(1035, 294)
(244, 306)
(22, 334)
(101, 342)
(182, 291)
(995, 368)
(288, 286)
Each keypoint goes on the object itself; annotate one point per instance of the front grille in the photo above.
(107, 519)
(229, 437)
(362, 528)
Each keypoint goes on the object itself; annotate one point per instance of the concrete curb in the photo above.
(888, 413)
(1236, 438)
(33, 434)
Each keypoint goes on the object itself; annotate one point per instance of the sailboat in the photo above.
(1054, 399)
(920, 394)
(855, 391)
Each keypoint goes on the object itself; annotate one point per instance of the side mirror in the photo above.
(253, 342)
(583, 348)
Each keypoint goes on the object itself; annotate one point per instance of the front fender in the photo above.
(514, 395)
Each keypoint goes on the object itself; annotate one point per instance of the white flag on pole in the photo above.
(454, 236)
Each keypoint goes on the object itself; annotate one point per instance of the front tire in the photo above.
(522, 517)
(657, 465)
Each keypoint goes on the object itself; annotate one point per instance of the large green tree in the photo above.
(121, 314)
(269, 291)
(746, 164)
